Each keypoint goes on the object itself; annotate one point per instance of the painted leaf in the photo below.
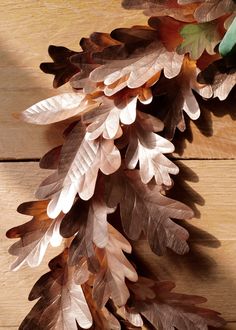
(169, 310)
(199, 37)
(163, 8)
(61, 301)
(148, 148)
(135, 62)
(143, 208)
(114, 268)
(57, 108)
(35, 235)
(221, 75)
(77, 171)
(175, 96)
(228, 44)
(62, 67)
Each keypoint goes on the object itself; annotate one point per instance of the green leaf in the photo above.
(199, 37)
(228, 44)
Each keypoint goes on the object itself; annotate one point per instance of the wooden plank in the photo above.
(208, 270)
(63, 23)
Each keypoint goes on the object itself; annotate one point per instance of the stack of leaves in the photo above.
(131, 91)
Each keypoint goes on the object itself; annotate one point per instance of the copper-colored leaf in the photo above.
(140, 58)
(62, 67)
(78, 168)
(57, 108)
(62, 301)
(110, 280)
(144, 209)
(221, 75)
(34, 235)
(176, 96)
(148, 148)
(169, 310)
(163, 8)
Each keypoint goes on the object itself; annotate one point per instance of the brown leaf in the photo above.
(176, 95)
(133, 63)
(143, 208)
(78, 168)
(148, 148)
(62, 67)
(62, 301)
(110, 280)
(221, 75)
(34, 235)
(163, 8)
(169, 310)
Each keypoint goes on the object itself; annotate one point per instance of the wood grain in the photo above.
(60, 22)
(208, 270)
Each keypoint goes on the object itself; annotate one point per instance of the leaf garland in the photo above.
(131, 89)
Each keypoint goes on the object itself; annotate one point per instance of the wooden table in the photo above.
(206, 155)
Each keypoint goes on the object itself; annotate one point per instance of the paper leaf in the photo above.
(228, 44)
(199, 37)
(57, 108)
(210, 10)
(134, 64)
(110, 280)
(62, 67)
(221, 75)
(78, 168)
(176, 96)
(169, 310)
(143, 208)
(34, 235)
(148, 148)
(61, 302)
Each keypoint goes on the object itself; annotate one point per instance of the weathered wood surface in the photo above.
(208, 270)
(28, 27)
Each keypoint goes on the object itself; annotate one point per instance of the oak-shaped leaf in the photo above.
(88, 222)
(139, 58)
(170, 310)
(147, 148)
(61, 67)
(57, 108)
(109, 282)
(80, 161)
(199, 37)
(176, 95)
(228, 44)
(221, 75)
(103, 319)
(61, 301)
(163, 8)
(143, 208)
(35, 235)
(84, 60)
(209, 10)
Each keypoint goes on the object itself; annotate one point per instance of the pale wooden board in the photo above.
(209, 270)
(28, 27)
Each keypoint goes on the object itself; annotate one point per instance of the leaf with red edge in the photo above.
(35, 235)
